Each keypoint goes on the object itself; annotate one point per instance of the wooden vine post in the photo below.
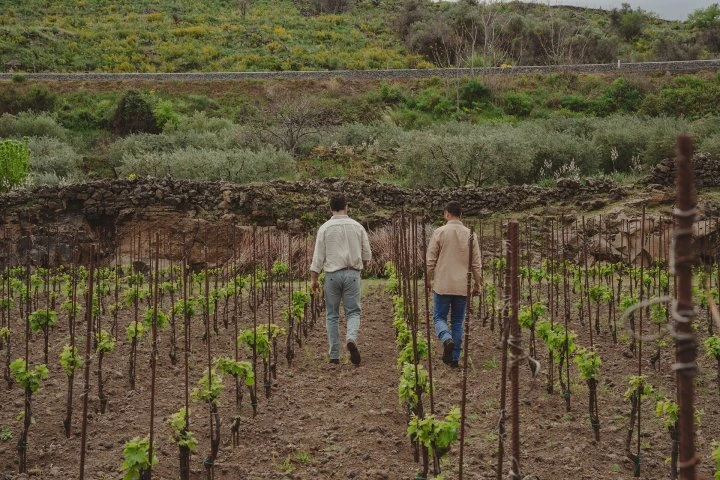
(686, 341)
(515, 349)
(88, 356)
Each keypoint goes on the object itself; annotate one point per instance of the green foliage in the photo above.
(668, 412)
(236, 165)
(37, 99)
(247, 338)
(712, 346)
(408, 387)
(41, 320)
(556, 340)
(240, 370)
(5, 434)
(600, 293)
(529, 315)
(149, 318)
(632, 24)
(639, 384)
(135, 331)
(30, 124)
(519, 104)
(392, 285)
(134, 114)
(135, 295)
(14, 163)
(716, 458)
(105, 343)
(70, 360)
(621, 96)
(5, 333)
(588, 362)
(178, 434)
(28, 379)
(208, 390)
(436, 435)
(185, 308)
(136, 458)
(658, 313)
(407, 355)
(279, 268)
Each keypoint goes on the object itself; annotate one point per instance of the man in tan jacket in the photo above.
(447, 261)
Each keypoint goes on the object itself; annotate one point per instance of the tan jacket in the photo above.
(447, 259)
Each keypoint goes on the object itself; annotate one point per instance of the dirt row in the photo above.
(334, 422)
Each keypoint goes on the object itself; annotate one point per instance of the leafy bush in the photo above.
(233, 165)
(37, 99)
(14, 163)
(133, 114)
(28, 378)
(473, 92)
(517, 103)
(710, 145)
(51, 155)
(28, 124)
(136, 454)
(687, 96)
(620, 96)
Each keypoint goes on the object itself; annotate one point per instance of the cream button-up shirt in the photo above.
(448, 257)
(341, 243)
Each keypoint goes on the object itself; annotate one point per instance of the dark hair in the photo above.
(454, 209)
(338, 202)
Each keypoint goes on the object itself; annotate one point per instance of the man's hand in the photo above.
(428, 285)
(314, 282)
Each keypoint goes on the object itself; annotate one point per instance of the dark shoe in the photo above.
(454, 364)
(448, 347)
(354, 353)
(335, 361)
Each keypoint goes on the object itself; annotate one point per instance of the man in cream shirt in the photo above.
(447, 261)
(341, 247)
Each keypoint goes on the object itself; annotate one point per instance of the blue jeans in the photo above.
(455, 304)
(342, 285)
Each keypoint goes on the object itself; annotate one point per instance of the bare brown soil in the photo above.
(336, 422)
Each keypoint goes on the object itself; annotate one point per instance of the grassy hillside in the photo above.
(221, 35)
(433, 132)
(195, 35)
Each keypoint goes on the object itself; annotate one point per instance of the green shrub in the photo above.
(710, 145)
(14, 163)
(37, 99)
(234, 165)
(473, 92)
(575, 103)
(433, 100)
(517, 103)
(391, 93)
(51, 155)
(28, 124)
(133, 114)
(620, 96)
(686, 96)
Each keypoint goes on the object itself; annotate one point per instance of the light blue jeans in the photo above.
(455, 305)
(342, 285)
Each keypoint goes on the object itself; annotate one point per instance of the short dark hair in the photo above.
(338, 202)
(454, 209)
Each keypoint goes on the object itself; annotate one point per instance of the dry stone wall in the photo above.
(102, 211)
(706, 167)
